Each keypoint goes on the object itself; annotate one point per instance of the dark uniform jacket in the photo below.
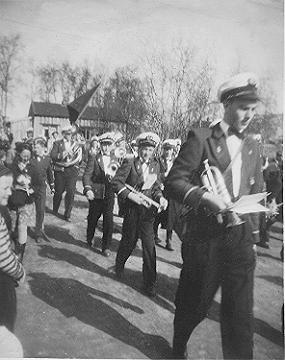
(184, 180)
(94, 176)
(41, 171)
(130, 173)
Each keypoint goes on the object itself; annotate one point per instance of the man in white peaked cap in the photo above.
(213, 254)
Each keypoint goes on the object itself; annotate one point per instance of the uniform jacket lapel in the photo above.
(219, 149)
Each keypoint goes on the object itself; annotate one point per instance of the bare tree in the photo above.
(63, 82)
(48, 81)
(10, 47)
(178, 91)
(123, 99)
(267, 122)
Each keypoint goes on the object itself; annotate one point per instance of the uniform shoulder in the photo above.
(201, 133)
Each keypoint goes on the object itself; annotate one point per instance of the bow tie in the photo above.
(233, 131)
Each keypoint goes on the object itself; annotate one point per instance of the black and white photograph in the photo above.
(141, 179)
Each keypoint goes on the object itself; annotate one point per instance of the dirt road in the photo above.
(70, 306)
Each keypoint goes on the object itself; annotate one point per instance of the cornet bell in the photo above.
(214, 182)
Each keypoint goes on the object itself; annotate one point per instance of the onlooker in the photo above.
(21, 203)
(51, 140)
(11, 270)
(41, 172)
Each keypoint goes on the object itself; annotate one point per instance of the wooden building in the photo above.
(45, 118)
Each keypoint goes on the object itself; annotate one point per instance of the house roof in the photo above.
(44, 109)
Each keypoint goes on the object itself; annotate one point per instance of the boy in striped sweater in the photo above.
(11, 270)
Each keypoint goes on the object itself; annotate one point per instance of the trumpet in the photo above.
(117, 157)
(214, 182)
(144, 197)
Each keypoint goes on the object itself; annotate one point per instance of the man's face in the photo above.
(168, 153)
(39, 149)
(146, 152)
(25, 155)
(67, 136)
(239, 113)
(5, 189)
(55, 135)
(106, 148)
(29, 135)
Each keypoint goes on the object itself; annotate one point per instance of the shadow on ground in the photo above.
(260, 327)
(74, 299)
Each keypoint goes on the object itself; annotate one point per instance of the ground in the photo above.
(72, 307)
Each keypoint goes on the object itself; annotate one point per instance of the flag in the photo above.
(78, 106)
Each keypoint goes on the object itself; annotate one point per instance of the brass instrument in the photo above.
(117, 156)
(73, 156)
(143, 197)
(214, 182)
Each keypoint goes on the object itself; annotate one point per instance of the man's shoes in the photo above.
(38, 239)
(149, 291)
(55, 213)
(89, 244)
(66, 218)
(115, 272)
(169, 247)
(179, 354)
(263, 245)
(157, 240)
(106, 252)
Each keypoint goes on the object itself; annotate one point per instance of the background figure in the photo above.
(29, 139)
(66, 155)
(213, 254)
(273, 186)
(21, 202)
(42, 173)
(99, 193)
(11, 270)
(166, 218)
(51, 141)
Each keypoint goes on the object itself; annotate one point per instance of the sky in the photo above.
(121, 32)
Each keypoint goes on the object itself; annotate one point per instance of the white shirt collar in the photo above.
(225, 127)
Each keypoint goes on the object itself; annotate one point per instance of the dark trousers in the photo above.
(138, 223)
(8, 303)
(65, 181)
(97, 207)
(40, 203)
(229, 262)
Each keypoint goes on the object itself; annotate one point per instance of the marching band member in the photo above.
(66, 155)
(166, 218)
(99, 192)
(94, 145)
(29, 139)
(139, 214)
(41, 168)
(213, 254)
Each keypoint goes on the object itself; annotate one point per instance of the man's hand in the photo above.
(138, 200)
(213, 203)
(163, 203)
(90, 195)
(22, 279)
